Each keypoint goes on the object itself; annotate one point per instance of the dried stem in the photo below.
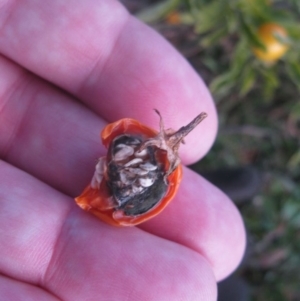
(177, 137)
(169, 140)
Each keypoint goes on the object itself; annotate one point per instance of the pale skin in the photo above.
(90, 63)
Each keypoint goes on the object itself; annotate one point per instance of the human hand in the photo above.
(91, 63)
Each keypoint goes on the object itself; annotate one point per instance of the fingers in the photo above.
(45, 132)
(118, 66)
(48, 242)
(31, 217)
(16, 290)
(202, 218)
(56, 139)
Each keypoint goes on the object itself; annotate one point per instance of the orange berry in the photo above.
(275, 48)
(173, 18)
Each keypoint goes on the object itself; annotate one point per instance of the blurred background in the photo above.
(247, 52)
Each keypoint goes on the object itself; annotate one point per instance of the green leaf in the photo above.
(209, 16)
(250, 34)
(232, 21)
(248, 80)
(240, 56)
(157, 11)
(280, 16)
(212, 38)
(293, 70)
(293, 29)
(196, 4)
(223, 83)
(258, 9)
(211, 63)
(270, 83)
(187, 19)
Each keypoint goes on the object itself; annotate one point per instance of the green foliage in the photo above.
(157, 11)
(240, 19)
(293, 70)
(272, 218)
(259, 112)
(274, 222)
(216, 21)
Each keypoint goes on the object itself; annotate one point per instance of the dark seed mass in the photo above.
(141, 203)
(136, 182)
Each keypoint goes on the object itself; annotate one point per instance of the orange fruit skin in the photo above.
(173, 18)
(275, 48)
(99, 202)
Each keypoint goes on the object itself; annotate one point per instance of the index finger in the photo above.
(115, 64)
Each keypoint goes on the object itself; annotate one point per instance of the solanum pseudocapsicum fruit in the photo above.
(272, 37)
(140, 174)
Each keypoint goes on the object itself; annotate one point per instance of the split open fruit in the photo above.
(140, 174)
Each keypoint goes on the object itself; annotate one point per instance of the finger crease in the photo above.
(95, 66)
(49, 271)
(16, 88)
